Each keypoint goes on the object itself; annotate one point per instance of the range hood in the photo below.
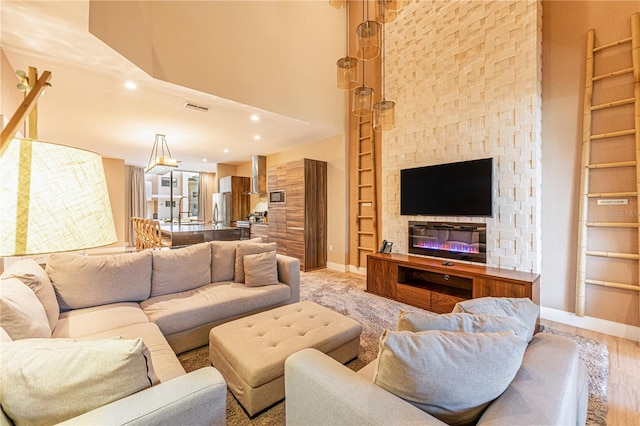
(258, 174)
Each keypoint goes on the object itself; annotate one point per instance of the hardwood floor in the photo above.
(623, 390)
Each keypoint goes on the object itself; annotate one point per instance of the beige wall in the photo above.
(563, 71)
(114, 174)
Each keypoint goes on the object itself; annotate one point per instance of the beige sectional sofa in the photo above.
(168, 298)
(549, 385)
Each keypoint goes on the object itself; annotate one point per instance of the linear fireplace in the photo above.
(462, 241)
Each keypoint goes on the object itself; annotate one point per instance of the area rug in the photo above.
(345, 293)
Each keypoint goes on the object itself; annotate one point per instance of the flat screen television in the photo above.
(454, 189)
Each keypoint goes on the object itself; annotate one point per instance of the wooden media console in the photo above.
(437, 285)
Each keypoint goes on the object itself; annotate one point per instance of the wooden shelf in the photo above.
(431, 285)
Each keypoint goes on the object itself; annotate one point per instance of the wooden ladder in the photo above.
(366, 220)
(609, 171)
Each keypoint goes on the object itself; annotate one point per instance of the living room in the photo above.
(532, 113)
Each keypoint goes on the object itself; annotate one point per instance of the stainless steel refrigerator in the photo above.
(222, 208)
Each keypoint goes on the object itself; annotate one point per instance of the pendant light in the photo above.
(161, 162)
(338, 4)
(384, 112)
(362, 102)
(368, 37)
(384, 14)
(396, 4)
(347, 67)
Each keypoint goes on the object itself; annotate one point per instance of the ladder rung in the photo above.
(611, 194)
(366, 169)
(365, 233)
(362, 138)
(365, 217)
(613, 74)
(367, 185)
(613, 254)
(366, 249)
(614, 104)
(364, 153)
(615, 43)
(365, 201)
(608, 165)
(613, 284)
(614, 134)
(612, 225)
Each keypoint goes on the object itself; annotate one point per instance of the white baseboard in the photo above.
(595, 324)
(357, 270)
(340, 267)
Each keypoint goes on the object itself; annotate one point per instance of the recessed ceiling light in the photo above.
(205, 160)
(226, 151)
(255, 117)
(256, 137)
(130, 85)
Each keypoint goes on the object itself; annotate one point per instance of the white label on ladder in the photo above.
(619, 202)
(366, 204)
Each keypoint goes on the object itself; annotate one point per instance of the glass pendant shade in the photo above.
(384, 14)
(368, 35)
(338, 4)
(362, 101)
(384, 116)
(396, 4)
(347, 73)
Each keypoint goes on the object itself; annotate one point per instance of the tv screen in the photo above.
(453, 189)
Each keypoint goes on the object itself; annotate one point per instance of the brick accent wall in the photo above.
(466, 79)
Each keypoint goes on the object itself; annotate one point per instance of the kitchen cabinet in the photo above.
(260, 230)
(236, 204)
(299, 225)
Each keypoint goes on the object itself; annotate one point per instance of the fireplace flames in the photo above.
(454, 246)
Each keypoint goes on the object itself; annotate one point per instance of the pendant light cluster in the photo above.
(370, 44)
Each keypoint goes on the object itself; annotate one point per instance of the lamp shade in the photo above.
(347, 73)
(384, 115)
(368, 37)
(54, 198)
(362, 101)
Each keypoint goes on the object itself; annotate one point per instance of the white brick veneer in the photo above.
(466, 79)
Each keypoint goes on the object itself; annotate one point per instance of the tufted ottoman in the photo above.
(250, 352)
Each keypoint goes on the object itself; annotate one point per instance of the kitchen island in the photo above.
(193, 233)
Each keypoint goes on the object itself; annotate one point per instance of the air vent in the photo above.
(197, 107)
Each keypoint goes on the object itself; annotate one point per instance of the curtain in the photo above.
(136, 200)
(205, 196)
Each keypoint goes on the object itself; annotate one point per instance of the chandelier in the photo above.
(161, 162)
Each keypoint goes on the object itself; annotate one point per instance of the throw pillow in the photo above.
(180, 269)
(522, 308)
(260, 269)
(85, 281)
(21, 314)
(245, 249)
(29, 272)
(469, 323)
(223, 259)
(451, 375)
(79, 376)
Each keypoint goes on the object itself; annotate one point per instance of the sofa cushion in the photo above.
(470, 323)
(83, 281)
(32, 274)
(79, 376)
(245, 249)
(223, 259)
(180, 269)
(165, 363)
(453, 376)
(21, 314)
(522, 308)
(210, 303)
(83, 322)
(260, 269)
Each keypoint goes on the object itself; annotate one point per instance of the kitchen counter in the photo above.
(193, 233)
